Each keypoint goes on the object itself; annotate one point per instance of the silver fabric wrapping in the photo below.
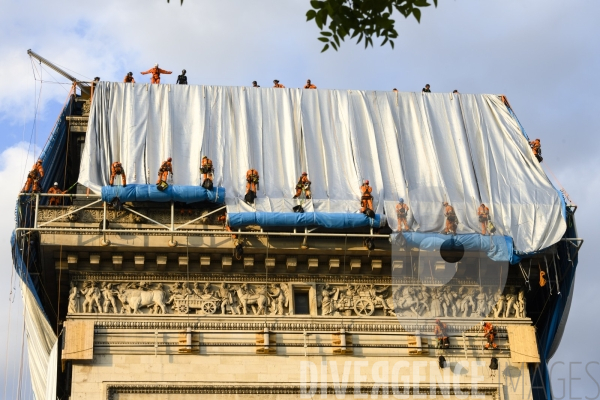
(426, 148)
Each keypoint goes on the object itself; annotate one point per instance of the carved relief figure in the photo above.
(92, 297)
(278, 299)
(481, 301)
(378, 298)
(136, 298)
(468, 303)
(510, 301)
(108, 295)
(247, 297)
(73, 299)
(436, 303)
(328, 300)
(499, 307)
(227, 301)
(520, 305)
(424, 299)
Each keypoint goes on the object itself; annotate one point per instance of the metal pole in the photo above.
(37, 206)
(104, 218)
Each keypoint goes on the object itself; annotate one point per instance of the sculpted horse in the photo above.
(247, 298)
(406, 301)
(133, 299)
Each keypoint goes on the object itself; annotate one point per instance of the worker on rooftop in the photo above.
(182, 79)
(455, 91)
(427, 89)
(34, 177)
(129, 78)
(276, 84)
(255, 84)
(55, 201)
(395, 90)
(116, 168)
(155, 71)
(309, 85)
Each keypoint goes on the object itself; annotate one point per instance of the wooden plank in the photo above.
(78, 340)
(523, 344)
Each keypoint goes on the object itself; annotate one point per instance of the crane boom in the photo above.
(84, 86)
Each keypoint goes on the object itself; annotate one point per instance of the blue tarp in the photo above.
(186, 194)
(325, 220)
(497, 247)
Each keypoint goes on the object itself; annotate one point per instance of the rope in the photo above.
(59, 281)
(562, 189)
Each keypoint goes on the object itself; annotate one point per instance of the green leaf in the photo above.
(417, 13)
(310, 14)
(322, 39)
(325, 48)
(325, 33)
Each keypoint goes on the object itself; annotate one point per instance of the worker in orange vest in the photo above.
(309, 85)
(451, 219)
(536, 147)
(34, 177)
(206, 167)
(117, 169)
(484, 216)
(366, 200)
(55, 201)
(165, 169)
(440, 331)
(155, 71)
(402, 214)
(252, 179)
(489, 332)
(129, 78)
(303, 184)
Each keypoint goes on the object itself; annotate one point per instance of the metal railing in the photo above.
(171, 229)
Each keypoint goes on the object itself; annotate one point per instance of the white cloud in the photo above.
(14, 162)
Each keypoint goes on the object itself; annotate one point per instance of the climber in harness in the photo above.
(451, 219)
(536, 147)
(303, 185)
(402, 213)
(117, 169)
(206, 167)
(252, 179)
(484, 217)
(55, 201)
(34, 177)
(489, 332)
(366, 200)
(165, 169)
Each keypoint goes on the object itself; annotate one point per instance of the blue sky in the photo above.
(543, 55)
